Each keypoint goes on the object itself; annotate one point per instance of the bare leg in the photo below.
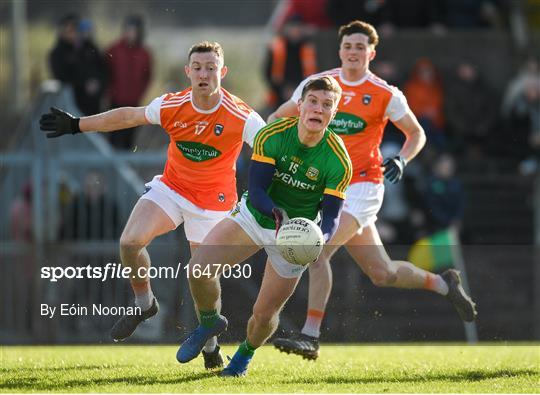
(226, 244)
(147, 221)
(211, 344)
(320, 275)
(274, 293)
(369, 253)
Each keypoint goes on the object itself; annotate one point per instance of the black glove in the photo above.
(280, 216)
(59, 122)
(393, 168)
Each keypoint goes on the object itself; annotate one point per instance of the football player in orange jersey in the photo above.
(207, 127)
(367, 104)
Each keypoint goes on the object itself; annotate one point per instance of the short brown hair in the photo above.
(359, 27)
(207, 46)
(324, 83)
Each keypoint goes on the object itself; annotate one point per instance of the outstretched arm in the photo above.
(59, 122)
(119, 118)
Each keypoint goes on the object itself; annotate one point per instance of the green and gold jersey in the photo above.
(302, 174)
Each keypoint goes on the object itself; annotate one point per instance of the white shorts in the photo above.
(264, 238)
(363, 201)
(197, 221)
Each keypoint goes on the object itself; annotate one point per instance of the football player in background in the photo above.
(367, 104)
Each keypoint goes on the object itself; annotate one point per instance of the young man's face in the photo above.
(317, 109)
(355, 51)
(205, 71)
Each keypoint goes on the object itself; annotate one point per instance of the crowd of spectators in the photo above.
(391, 15)
(101, 80)
(463, 116)
(466, 120)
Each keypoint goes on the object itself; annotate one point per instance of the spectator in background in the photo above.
(444, 195)
(529, 70)
(20, 215)
(63, 60)
(522, 117)
(130, 70)
(312, 12)
(76, 61)
(64, 57)
(290, 58)
(470, 109)
(393, 224)
(92, 70)
(424, 92)
(90, 214)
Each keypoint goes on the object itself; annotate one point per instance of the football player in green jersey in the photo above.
(298, 167)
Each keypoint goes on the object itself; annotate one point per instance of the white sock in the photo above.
(440, 286)
(310, 331)
(312, 326)
(210, 344)
(435, 283)
(144, 300)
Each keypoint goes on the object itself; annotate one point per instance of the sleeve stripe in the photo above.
(344, 159)
(333, 192)
(341, 149)
(146, 118)
(270, 130)
(264, 159)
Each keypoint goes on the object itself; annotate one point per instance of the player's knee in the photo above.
(321, 264)
(131, 242)
(381, 274)
(265, 316)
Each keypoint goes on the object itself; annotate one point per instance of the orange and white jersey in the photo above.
(204, 145)
(366, 106)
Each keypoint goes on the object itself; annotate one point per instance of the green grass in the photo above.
(372, 369)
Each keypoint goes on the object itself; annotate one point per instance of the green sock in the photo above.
(246, 349)
(208, 318)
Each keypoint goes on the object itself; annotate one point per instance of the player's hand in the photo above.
(280, 216)
(59, 123)
(393, 168)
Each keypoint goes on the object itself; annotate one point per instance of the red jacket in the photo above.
(130, 69)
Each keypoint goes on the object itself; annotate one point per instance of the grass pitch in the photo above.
(346, 368)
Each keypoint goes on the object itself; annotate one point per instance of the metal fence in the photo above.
(65, 201)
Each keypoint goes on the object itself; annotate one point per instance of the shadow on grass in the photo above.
(36, 384)
(458, 376)
(59, 368)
